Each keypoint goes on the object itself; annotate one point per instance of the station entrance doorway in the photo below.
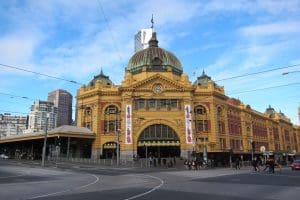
(158, 140)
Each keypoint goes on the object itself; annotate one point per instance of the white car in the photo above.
(3, 156)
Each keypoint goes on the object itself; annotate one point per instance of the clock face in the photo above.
(157, 88)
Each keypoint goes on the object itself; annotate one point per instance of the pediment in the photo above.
(158, 80)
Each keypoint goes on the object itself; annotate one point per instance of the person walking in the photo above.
(237, 163)
(267, 165)
(254, 164)
(272, 166)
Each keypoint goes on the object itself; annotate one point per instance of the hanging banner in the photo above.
(128, 135)
(188, 124)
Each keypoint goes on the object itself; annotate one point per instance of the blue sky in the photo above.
(74, 39)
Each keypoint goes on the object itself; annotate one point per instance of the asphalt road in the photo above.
(68, 181)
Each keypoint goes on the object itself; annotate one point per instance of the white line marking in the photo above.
(279, 175)
(148, 192)
(68, 190)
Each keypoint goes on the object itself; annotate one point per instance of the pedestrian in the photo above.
(194, 164)
(254, 164)
(150, 161)
(278, 163)
(159, 162)
(154, 162)
(267, 165)
(186, 164)
(164, 162)
(189, 165)
(237, 163)
(272, 166)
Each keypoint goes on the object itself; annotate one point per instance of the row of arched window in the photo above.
(112, 117)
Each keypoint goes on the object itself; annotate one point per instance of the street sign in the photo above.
(262, 149)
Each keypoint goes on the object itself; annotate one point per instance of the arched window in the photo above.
(201, 119)
(200, 110)
(87, 120)
(111, 119)
(221, 124)
(88, 111)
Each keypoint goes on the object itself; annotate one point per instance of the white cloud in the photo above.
(18, 47)
(251, 7)
(269, 29)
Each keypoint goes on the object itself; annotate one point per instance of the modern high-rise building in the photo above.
(12, 125)
(141, 39)
(62, 99)
(39, 113)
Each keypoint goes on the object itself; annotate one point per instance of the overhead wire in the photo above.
(25, 97)
(7, 111)
(38, 73)
(18, 96)
(110, 30)
(260, 72)
(265, 88)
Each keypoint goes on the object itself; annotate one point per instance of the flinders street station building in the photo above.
(158, 111)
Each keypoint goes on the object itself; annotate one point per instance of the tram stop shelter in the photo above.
(64, 141)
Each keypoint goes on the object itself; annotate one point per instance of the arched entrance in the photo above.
(109, 150)
(158, 140)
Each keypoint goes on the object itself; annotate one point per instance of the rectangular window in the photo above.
(173, 103)
(141, 104)
(163, 103)
(222, 143)
(151, 103)
(201, 126)
(109, 126)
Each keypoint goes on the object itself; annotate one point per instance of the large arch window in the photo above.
(111, 122)
(158, 132)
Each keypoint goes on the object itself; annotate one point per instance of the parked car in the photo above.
(3, 156)
(295, 165)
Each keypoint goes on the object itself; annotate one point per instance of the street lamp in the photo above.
(45, 140)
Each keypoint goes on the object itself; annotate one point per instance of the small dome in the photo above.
(270, 110)
(203, 79)
(154, 58)
(104, 79)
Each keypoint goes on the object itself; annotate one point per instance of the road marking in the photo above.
(148, 192)
(280, 175)
(68, 190)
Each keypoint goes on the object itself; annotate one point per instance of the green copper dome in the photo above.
(154, 59)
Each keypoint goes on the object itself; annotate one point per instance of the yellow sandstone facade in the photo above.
(157, 110)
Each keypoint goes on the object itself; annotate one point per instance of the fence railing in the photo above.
(138, 163)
